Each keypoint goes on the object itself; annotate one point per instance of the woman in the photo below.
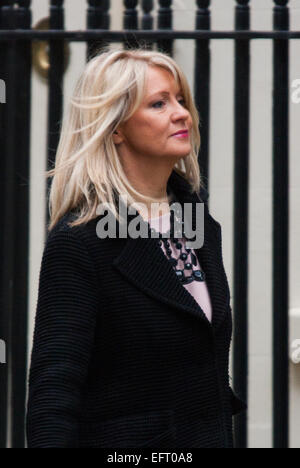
(131, 342)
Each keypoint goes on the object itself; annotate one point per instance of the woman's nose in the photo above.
(182, 111)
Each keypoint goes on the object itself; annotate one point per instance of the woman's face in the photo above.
(148, 133)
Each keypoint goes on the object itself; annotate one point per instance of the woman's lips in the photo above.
(181, 135)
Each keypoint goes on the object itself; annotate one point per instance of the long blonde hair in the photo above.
(88, 170)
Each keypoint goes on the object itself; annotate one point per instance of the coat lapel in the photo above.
(143, 263)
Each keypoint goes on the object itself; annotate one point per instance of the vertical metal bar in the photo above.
(98, 17)
(165, 21)
(202, 84)
(241, 201)
(55, 91)
(130, 21)
(148, 20)
(21, 228)
(8, 141)
(281, 230)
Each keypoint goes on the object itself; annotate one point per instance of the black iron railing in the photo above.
(16, 37)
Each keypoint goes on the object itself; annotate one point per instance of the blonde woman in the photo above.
(132, 333)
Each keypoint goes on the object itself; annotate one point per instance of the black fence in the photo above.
(16, 38)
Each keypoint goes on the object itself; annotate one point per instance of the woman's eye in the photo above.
(162, 102)
(159, 102)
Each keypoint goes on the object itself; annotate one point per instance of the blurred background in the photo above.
(245, 88)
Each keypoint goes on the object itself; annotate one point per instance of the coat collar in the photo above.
(144, 264)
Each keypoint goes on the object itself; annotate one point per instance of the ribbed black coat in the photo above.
(123, 356)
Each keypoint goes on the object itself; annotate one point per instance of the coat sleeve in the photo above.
(63, 338)
(238, 405)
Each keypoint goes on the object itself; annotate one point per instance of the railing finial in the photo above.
(147, 18)
(203, 3)
(281, 2)
(243, 2)
(57, 3)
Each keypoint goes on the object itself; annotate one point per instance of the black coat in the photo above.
(123, 356)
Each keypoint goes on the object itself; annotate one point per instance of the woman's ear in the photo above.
(117, 138)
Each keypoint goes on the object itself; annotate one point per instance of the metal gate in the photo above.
(16, 37)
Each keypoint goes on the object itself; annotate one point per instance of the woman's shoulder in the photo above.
(203, 194)
(70, 248)
(64, 225)
(64, 232)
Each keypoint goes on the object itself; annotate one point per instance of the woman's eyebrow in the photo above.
(163, 93)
